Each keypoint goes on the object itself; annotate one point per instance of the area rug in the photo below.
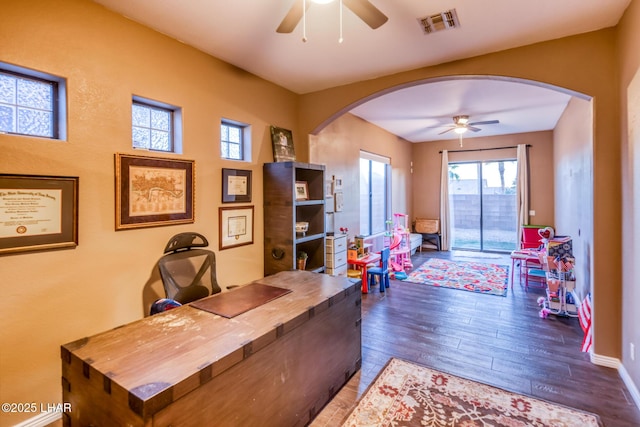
(407, 394)
(478, 277)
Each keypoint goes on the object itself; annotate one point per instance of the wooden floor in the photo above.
(495, 340)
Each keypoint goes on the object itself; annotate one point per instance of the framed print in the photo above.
(153, 191)
(236, 185)
(38, 212)
(235, 226)
(302, 190)
(282, 141)
(337, 183)
(339, 201)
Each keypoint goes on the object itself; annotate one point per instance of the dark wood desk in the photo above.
(275, 365)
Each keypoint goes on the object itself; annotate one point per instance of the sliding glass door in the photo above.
(482, 200)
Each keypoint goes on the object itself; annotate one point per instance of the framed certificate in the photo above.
(236, 185)
(38, 212)
(235, 226)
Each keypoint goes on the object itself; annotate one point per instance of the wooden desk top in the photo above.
(169, 354)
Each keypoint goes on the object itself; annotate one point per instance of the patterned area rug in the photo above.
(406, 394)
(469, 276)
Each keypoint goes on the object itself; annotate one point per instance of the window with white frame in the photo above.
(32, 103)
(155, 126)
(234, 140)
(375, 194)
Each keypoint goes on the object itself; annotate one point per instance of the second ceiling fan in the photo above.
(461, 124)
(366, 11)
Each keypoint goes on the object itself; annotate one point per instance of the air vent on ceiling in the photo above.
(442, 21)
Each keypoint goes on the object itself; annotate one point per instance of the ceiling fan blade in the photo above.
(472, 129)
(292, 18)
(445, 131)
(488, 122)
(370, 14)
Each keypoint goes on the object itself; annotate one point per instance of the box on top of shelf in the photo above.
(560, 246)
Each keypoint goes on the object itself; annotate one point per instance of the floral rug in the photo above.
(469, 276)
(407, 394)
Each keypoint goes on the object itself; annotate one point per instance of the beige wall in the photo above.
(54, 297)
(338, 147)
(427, 160)
(629, 54)
(573, 170)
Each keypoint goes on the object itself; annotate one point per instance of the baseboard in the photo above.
(612, 362)
(633, 390)
(42, 420)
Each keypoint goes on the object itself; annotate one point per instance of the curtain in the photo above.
(445, 227)
(522, 191)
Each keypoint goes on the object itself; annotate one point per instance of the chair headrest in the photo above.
(186, 241)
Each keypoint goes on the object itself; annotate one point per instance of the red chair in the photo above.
(530, 238)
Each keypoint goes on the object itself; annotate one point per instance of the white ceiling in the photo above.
(242, 32)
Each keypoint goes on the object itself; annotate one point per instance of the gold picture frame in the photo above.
(153, 191)
(38, 212)
(235, 226)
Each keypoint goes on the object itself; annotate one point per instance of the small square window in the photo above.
(30, 103)
(232, 140)
(152, 127)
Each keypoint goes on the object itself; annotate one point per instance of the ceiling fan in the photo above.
(366, 11)
(461, 124)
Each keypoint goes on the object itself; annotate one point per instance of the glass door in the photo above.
(482, 203)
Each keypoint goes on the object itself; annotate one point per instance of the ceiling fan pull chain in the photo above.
(340, 39)
(304, 20)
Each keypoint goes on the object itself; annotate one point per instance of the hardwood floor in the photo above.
(495, 340)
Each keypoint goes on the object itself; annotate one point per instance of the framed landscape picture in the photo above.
(152, 191)
(282, 141)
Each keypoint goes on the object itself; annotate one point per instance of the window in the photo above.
(32, 103)
(234, 140)
(156, 126)
(375, 196)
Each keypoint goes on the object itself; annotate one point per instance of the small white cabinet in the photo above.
(336, 255)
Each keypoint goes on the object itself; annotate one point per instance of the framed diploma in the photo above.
(153, 191)
(236, 185)
(235, 226)
(38, 212)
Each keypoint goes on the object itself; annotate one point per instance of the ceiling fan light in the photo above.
(461, 120)
(460, 130)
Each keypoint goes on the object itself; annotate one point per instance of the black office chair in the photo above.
(188, 274)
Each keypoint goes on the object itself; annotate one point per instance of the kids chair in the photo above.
(381, 272)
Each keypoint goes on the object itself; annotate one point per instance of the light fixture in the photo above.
(304, 18)
(460, 129)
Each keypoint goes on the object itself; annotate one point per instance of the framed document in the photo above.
(302, 190)
(38, 212)
(235, 226)
(236, 185)
(153, 191)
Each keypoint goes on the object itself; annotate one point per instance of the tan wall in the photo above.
(584, 64)
(54, 297)
(629, 54)
(573, 160)
(427, 161)
(338, 147)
